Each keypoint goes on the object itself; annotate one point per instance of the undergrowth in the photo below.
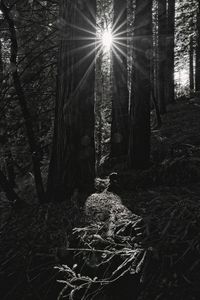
(162, 246)
(141, 244)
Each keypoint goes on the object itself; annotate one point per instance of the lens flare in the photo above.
(107, 40)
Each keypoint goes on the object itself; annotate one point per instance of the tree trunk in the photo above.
(162, 54)
(120, 94)
(170, 51)
(197, 73)
(1, 68)
(98, 110)
(139, 147)
(191, 61)
(155, 49)
(73, 158)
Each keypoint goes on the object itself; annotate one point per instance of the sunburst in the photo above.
(109, 38)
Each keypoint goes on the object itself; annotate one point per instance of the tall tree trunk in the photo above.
(170, 50)
(1, 68)
(162, 54)
(120, 94)
(98, 110)
(139, 146)
(155, 49)
(23, 103)
(197, 73)
(73, 158)
(154, 67)
(191, 61)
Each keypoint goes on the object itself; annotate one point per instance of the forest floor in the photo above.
(142, 236)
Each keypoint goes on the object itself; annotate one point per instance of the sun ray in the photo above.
(116, 42)
(118, 19)
(116, 54)
(83, 59)
(107, 39)
(86, 74)
(116, 31)
(82, 29)
(77, 49)
(120, 50)
(86, 19)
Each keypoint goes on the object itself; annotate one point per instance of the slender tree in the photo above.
(72, 166)
(162, 54)
(120, 95)
(154, 67)
(170, 50)
(191, 61)
(139, 146)
(1, 67)
(197, 73)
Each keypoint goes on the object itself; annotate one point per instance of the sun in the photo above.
(107, 39)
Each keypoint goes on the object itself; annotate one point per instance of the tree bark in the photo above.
(139, 146)
(170, 51)
(162, 54)
(197, 73)
(98, 110)
(1, 68)
(191, 61)
(73, 158)
(120, 94)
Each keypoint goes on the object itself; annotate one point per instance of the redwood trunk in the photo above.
(197, 73)
(191, 54)
(120, 94)
(170, 51)
(139, 147)
(73, 160)
(162, 54)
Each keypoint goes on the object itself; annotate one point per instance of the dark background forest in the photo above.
(99, 149)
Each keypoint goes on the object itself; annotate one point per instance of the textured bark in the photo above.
(120, 94)
(162, 54)
(197, 73)
(73, 160)
(139, 146)
(157, 111)
(191, 74)
(23, 104)
(170, 51)
(155, 49)
(98, 110)
(1, 67)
